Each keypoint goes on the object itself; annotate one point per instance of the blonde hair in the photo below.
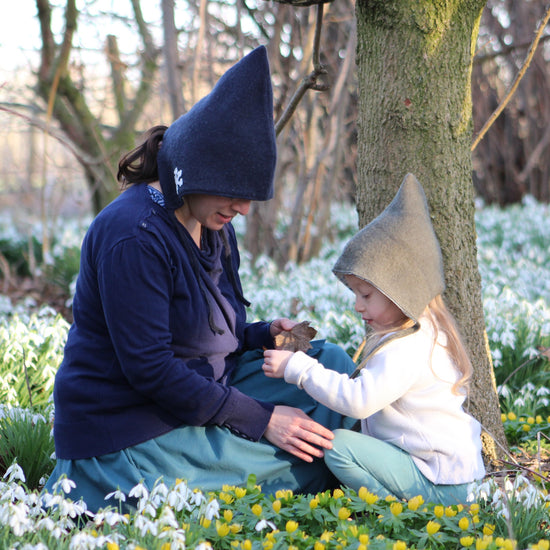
(442, 321)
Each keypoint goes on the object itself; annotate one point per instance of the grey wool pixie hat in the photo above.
(398, 252)
(225, 144)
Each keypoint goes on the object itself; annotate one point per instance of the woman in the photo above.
(155, 381)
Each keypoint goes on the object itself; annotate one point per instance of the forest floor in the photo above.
(44, 292)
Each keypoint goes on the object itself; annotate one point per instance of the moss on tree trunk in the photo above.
(415, 115)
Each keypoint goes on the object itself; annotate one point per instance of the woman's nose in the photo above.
(242, 206)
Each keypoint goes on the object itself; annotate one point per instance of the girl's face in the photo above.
(376, 309)
(211, 211)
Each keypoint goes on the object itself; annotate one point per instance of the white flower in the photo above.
(212, 509)
(118, 495)
(263, 524)
(65, 483)
(15, 472)
(139, 491)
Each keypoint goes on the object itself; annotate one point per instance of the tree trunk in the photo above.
(414, 68)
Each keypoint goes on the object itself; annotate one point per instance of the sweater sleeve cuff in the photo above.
(297, 367)
(258, 336)
(247, 417)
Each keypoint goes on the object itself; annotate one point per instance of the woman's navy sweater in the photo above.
(141, 357)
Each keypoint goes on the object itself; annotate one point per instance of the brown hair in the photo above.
(140, 164)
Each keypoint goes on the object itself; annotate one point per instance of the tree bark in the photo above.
(415, 115)
(99, 145)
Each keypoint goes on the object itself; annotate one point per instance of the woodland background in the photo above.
(124, 75)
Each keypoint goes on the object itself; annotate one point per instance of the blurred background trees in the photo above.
(104, 74)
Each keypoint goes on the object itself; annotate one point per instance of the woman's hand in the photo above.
(275, 362)
(279, 325)
(294, 431)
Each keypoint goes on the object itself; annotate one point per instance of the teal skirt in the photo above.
(209, 457)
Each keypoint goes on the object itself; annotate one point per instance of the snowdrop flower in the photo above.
(168, 518)
(18, 519)
(110, 517)
(15, 472)
(212, 510)
(263, 524)
(139, 491)
(118, 495)
(145, 525)
(65, 483)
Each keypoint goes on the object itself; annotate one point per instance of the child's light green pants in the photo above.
(359, 460)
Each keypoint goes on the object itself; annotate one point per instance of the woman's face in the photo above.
(376, 309)
(212, 211)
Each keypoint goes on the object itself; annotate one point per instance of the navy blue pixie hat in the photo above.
(225, 144)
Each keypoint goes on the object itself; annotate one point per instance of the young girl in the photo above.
(408, 392)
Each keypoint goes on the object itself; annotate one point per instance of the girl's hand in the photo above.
(293, 431)
(275, 362)
(278, 325)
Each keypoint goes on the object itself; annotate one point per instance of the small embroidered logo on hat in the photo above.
(177, 178)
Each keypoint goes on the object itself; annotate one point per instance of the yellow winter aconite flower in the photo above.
(399, 545)
(228, 515)
(291, 526)
(367, 496)
(257, 510)
(284, 494)
(247, 544)
(364, 539)
(474, 508)
(526, 427)
(344, 513)
(432, 527)
(543, 545)
(326, 536)
(318, 546)
(467, 541)
(503, 417)
(222, 529)
(415, 503)
(450, 512)
(512, 416)
(481, 544)
(508, 544)
(112, 546)
(464, 523)
(276, 506)
(205, 522)
(530, 420)
(313, 503)
(240, 492)
(439, 511)
(488, 529)
(396, 508)
(538, 418)
(338, 493)
(166, 546)
(227, 498)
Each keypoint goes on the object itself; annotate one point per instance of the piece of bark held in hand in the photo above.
(296, 339)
